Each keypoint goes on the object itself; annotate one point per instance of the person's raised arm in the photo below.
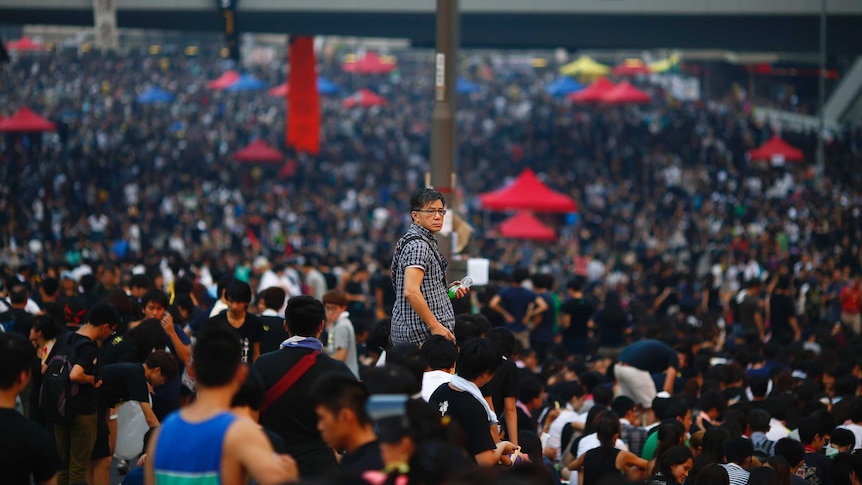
(413, 294)
(495, 305)
(184, 354)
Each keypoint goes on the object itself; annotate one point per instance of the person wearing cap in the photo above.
(422, 306)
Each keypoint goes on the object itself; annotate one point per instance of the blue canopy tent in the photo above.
(325, 86)
(464, 86)
(247, 82)
(154, 95)
(562, 86)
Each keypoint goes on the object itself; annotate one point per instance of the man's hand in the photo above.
(439, 329)
(460, 292)
(168, 324)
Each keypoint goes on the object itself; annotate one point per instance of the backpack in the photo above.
(762, 450)
(57, 399)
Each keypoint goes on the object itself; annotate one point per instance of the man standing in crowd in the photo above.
(272, 332)
(422, 306)
(341, 335)
(205, 442)
(288, 375)
(76, 436)
(518, 305)
(245, 326)
(27, 451)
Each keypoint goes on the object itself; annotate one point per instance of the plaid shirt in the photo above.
(634, 436)
(406, 324)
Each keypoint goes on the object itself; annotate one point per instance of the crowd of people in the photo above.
(696, 296)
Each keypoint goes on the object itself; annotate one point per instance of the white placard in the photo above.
(105, 24)
(478, 269)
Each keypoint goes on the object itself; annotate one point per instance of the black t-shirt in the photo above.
(650, 355)
(465, 410)
(272, 333)
(384, 283)
(292, 415)
(365, 458)
(781, 310)
(748, 308)
(122, 382)
(248, 333)
(87, 356)
(26, 449)
(504, 384)
(580, 310)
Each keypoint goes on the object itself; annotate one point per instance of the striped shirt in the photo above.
(418, 248)
(738, 475)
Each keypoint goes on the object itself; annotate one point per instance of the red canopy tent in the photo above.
(24, 44)
(524, 225)
(625, 93)
(280, 91)
(528, 192)
(258, 151)
(777, 150)
(224, 81)
(631, 67)
(370, 63)
(593, 92)
(363, 97)
(26, 120)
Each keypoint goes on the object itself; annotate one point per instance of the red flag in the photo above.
(303, 103)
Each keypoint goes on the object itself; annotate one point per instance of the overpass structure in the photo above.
(737, 25)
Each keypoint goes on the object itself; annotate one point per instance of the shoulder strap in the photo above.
(289, 379)
(414, 237)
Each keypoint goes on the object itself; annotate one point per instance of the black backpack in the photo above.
(58, 396)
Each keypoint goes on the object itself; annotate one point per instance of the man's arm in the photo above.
(183, 353)
(669, 379)
(246, 443)
(149, 415)
(149, 470)
(79, 376)
(491, 457)
(538, 307)
(511, 416)
(413, 294)
(495, 305)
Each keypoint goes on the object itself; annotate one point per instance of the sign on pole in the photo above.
(105, 24)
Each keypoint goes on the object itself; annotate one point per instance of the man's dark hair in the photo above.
(103, 313)
(675, 408)
(439, 352)
(469, 326)
(183, 286)
(712, 400)
(842, 437)
(503, 339)
(250, 394)
(543, 280)
(529, 389)
(622, 404)
(223, 282)
(758, 420)
(303, 316)
(140, 281)
(519, 274)
(164, 361)
(736, 450)
(16, 356)
(156, 296)
(390, 379)
(273, 298)
(407, 356)
(339, 391)
(238, 291)
(575, 284)
(477, 357)
(216, 356)
(809, 428)
(18, 295)
(759, 386)
(570, 390)
(50, 286)
(792, 450)
(423, 197)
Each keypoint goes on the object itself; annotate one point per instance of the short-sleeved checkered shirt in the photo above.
(421, 252)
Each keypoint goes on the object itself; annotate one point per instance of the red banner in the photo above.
(303, 103)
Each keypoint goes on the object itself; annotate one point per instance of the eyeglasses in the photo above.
(439, 212)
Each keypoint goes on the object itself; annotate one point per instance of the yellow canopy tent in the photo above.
(584, 66)
(664, 65)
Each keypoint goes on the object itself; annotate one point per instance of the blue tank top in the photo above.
(191, 453)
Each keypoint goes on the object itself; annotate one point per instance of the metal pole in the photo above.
(443, 117)
(821, 94)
